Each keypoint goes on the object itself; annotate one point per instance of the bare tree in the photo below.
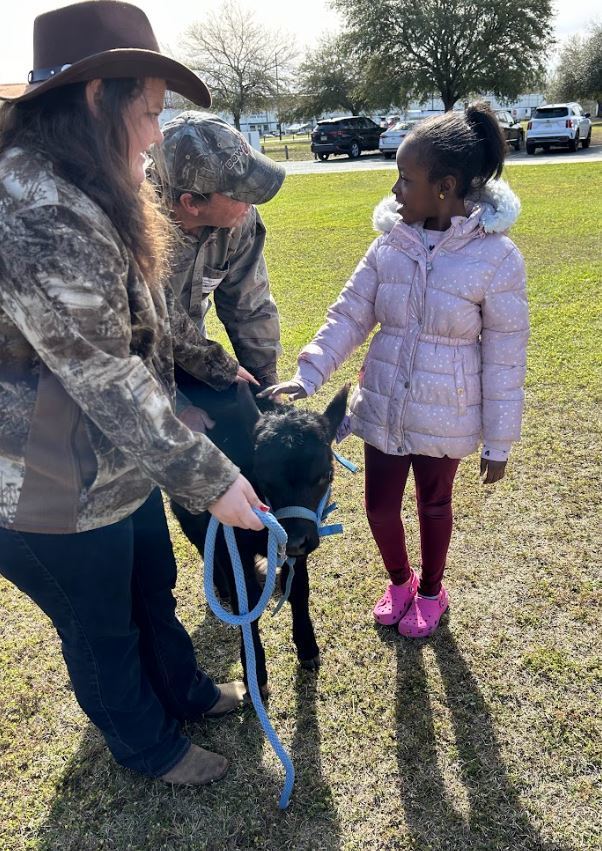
(579, 72)
(245, 65)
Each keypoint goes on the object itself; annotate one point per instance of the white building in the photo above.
(521, 107)
(266, 122)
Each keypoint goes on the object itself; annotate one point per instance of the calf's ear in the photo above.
(249, 412)
(335, 411)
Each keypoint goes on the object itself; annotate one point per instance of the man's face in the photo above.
(220, 211)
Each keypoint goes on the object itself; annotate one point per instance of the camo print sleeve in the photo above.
(68, 287)
(244, 304)
(203, 358)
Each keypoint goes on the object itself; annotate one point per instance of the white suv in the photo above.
(558, 124)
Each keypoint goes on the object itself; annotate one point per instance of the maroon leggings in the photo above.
(386, 477)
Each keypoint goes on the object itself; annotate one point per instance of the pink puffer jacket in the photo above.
(446, 367)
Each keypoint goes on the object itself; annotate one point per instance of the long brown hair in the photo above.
(92, 153)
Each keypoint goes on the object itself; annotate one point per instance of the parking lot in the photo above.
(369, 161)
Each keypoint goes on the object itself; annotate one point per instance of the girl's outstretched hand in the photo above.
(492, 471)
(293, 389)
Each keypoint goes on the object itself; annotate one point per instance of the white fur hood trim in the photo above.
(500, 208)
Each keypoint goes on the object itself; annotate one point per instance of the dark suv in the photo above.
(350, 135)
(512, 130)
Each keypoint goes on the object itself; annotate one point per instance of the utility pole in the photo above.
(278, 124)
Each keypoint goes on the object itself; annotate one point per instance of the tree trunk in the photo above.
(236, 116)
(448, 100)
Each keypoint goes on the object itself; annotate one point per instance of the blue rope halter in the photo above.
(276, 556)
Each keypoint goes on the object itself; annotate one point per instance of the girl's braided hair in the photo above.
(468, 145)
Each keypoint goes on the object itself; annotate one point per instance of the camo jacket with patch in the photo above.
(228, 264)
(86, 367)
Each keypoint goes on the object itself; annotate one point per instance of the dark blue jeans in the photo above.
(109, 595)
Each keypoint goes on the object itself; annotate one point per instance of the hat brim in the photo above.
(272, 178)
(111, 64)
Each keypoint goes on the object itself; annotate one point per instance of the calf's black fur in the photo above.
(286, 454)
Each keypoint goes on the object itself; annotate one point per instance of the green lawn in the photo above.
(297, 147)
(485, 737)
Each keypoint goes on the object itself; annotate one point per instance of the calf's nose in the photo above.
(301, 542)
(300, 547)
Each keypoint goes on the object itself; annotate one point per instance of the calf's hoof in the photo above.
(222, 595)
(264, 690)
(310, 664)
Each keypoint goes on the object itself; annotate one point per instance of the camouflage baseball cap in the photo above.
(204, 154)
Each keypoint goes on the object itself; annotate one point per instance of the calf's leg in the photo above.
(304, 637)
(253, 595)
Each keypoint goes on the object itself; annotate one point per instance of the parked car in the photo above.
(349, 135)
(512, 129)
(559, 124)
(299, 128)
(389, 121)
(391, 139)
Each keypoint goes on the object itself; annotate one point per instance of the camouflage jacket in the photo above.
(229, 263)
(86, 367)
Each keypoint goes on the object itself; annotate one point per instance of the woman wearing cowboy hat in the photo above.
(88, 337)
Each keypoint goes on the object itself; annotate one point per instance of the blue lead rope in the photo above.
(276, 555)
(276, 541)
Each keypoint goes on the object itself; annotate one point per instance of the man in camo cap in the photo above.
(213, 178)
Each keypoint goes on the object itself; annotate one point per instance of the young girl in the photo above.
(446, 367)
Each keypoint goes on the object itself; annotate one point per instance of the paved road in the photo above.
(369, 162)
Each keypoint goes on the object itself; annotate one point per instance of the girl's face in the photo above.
(142, 122)
(418, 198)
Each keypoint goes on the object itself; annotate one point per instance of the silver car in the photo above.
(392, 138)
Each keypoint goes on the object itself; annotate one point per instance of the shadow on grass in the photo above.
(311, 820)
(100, 805)
(495, 817)
(312, 794)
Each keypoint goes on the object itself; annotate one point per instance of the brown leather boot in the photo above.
(231, 698)
(197, 768)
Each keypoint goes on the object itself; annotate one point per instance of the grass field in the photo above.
(485, 737)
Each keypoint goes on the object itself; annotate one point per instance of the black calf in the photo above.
(286, 454)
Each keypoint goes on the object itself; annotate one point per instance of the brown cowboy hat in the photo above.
(100, 39)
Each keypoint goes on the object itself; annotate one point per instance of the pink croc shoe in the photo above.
(395, 602)
(423, 615)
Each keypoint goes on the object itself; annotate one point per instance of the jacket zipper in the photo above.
(428, 258)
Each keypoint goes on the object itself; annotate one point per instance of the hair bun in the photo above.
(479, 114)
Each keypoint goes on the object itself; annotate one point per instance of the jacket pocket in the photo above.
(460, 382)
(212, 278)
